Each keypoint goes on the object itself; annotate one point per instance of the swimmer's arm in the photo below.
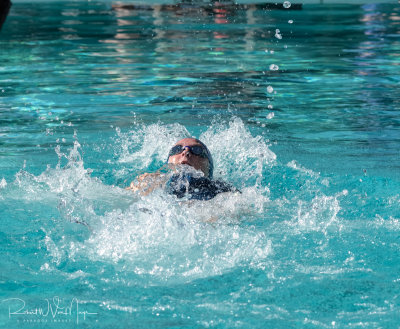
(140, 182)
(147, 183)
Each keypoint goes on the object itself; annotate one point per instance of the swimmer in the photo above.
(192, 174)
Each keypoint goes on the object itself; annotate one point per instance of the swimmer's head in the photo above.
(192, 152)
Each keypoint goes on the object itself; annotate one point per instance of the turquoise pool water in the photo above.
(300, 109)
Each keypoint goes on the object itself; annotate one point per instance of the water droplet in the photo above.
(270, 89)
(3, 183)
(270, 106)
(274, 67)
(290, 21)
(286, 4)
(278, 34)
(270, 115)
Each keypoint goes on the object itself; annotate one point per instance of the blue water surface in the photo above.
(300, 109)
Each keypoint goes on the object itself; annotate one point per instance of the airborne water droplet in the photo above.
(278, 34)
(287, 4)
(290, 21)
(270, 89)
(274, 67)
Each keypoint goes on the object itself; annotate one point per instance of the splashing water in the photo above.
(86, 227)
(159, 237)
(145, 233)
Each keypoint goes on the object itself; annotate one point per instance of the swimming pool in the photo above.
(300, 109)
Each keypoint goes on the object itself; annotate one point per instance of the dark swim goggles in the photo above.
(196, 150)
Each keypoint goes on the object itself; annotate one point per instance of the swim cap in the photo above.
(210, 159)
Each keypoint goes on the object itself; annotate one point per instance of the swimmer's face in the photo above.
(187, 157)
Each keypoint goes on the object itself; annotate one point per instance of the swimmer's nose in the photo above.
(186, 152)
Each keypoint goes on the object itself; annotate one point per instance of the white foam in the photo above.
(140, 146)
(167, 239)
(171, 246)
(159, 236)
(237, 154)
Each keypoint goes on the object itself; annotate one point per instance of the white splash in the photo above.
(158, 236)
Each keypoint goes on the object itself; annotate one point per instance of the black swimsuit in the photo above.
(196, 188)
